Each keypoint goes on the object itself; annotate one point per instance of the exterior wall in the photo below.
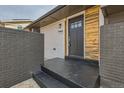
(101, 18)
(54, 40)
(59, 40)
(15, 25)
(112, 55)
(1, 24)
(92, 33)
(21, 54)
(115, 18)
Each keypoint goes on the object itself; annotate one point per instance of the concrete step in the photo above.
(46, 81)
(59, 77)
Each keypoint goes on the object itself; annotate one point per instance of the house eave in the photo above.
(45, 15)
(56, 14)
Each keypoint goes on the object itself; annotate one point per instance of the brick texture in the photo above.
(112, 55)
(21, 54)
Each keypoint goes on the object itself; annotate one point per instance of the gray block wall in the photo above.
(112, 55)
(21, 54)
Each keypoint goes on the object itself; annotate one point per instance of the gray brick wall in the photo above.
(21, 53)
(112, 55)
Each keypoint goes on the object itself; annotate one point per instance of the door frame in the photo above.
(67, 31)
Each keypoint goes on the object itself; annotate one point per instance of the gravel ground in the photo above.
(30, 83)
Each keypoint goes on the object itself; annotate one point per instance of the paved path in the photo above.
(30, 83)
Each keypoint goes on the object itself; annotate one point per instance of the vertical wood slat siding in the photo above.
(92, 33)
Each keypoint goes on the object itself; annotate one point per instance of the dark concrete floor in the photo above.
(81, 72)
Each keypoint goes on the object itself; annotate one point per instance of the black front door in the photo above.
(76, 47)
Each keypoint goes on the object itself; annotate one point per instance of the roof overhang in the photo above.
(112, 9)
(56, 14)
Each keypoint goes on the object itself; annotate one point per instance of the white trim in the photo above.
(75, 15)
(67, 37)
(84, 37)
(99, 38)
(70, 17)
(100, 24)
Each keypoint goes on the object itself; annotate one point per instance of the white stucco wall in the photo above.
(54, 39)
(101, 18)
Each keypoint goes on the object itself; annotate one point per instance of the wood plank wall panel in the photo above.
(92, 33)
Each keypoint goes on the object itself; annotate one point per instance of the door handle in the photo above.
(69, 44)
(69, 41)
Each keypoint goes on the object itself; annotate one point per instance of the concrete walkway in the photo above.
(30, 83)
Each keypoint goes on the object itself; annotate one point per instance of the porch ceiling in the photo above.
(58, 13)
